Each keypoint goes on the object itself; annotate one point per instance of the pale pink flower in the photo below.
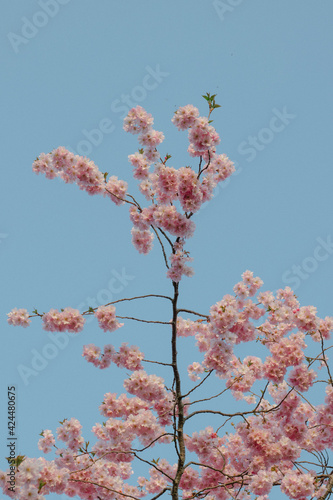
(46, 442)
(70, 320)
(19, 317)
(185, 117)
(137, 120)
(107, 320)
(142, 240)
(297, 486)
(116, 189)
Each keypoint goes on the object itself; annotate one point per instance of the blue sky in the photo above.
(70, 70)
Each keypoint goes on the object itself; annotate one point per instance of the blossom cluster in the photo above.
(106, 316)
(68, 319)
(128, 357)
(164, 186)
(19, 317)
(266, 445)
(231, 322)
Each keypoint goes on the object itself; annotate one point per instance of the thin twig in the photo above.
(153, 465)
(121, 199)
(206, 165)
(162, 246)
(198, 385)
(192, 312)
(152, 442)
(166, 237)
(137, 204)
(157, 362)
(89, 311)
(145, 320)
(102, 486)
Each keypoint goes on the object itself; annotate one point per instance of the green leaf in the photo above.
(40, 486)
(16, 461)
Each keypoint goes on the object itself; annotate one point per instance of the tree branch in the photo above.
(145, 320)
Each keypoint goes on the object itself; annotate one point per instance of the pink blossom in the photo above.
(296, 485)
(151, 138)
(138, 218)
(262, 482)
(146, 188)
(46, 442)
(151, 153)
(190, 194)
(106, 316)
(194, 370)
(142, 240)
(221, 167)
(202, 136)
(19, 317)
(208, 184)
(128, 357)
(274, 370)
(267, 443)
(44, 165)
(71, 168)
(116, 190)
(224, 315)
(172, 221)
(179, 265)
(306, 318)
(147, 387)
(69, 320)
(70, 433)
(165, 183)
(140, 164)
(185, 117)
(302, 378)
(137, 120)
(92, 353)
(186, 327)
(325, 328)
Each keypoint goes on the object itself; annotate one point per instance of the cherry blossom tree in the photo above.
(277, 439)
